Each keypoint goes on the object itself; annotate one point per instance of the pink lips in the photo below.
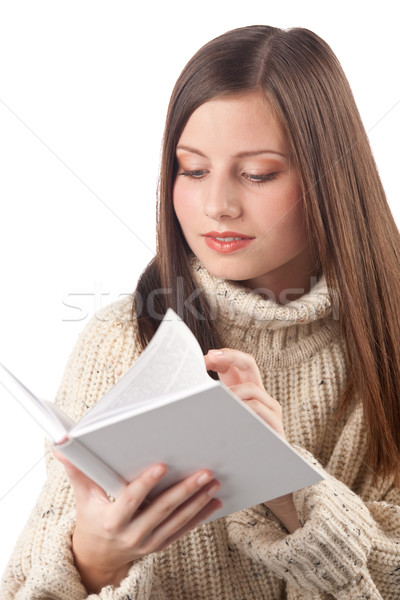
(226, 241)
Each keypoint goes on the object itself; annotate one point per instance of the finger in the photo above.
(136, 492)
(261, 403)
(251, 391)
(233, 366)
(213, 505)
(166, 503)
(178, 520)
(273, 419)
(82, 485)
(178, 495)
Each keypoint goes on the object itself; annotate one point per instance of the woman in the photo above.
(272, 215)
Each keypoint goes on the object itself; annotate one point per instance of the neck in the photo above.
(276, 335)
(288, 282)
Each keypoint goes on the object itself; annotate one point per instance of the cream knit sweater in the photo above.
(349, 544)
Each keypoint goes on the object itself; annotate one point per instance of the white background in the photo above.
(84, 87)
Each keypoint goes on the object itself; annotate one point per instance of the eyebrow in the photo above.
(238, 155)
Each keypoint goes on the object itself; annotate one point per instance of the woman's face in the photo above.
(239, 201)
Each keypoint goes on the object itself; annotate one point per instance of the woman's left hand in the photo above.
(239, 372)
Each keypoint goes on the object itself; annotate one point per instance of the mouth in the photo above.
(227, 235)
(225, 242)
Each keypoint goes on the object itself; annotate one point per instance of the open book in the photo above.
(167, 409)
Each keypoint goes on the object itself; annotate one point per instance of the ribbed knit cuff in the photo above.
(53, 574)
(328, 553)
(55, 577)
(136, 586)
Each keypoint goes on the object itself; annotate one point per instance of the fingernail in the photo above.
(217, 352)
(204, 478)
(158, 471)
(214, 489)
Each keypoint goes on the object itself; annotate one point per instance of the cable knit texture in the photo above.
(348, 547)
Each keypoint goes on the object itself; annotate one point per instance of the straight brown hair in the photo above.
(348, 219)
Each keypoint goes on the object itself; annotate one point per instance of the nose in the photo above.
(221, 199)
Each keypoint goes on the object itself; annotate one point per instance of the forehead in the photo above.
(246, 120)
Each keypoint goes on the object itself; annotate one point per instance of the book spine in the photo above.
(92, 466)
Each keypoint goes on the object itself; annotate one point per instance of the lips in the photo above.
(227, 234)
(225, 242)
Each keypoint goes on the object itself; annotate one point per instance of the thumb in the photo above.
(82, 485)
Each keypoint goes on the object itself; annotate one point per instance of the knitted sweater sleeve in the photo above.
(347, 548)
(42, 564)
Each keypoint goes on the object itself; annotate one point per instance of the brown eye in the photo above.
(196, 174)
(262, 178)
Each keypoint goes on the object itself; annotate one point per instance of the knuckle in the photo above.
(133, 541)
(111, 525)
(137, 491)
(166, 508)
(250, 361)
(130, 495)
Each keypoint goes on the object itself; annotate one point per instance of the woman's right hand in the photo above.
(109, 536)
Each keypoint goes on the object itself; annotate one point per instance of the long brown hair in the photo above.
(348, 218)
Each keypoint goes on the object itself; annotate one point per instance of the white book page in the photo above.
(52, 421)
(172, 361)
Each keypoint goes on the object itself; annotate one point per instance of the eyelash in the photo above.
(193, 174)
(196, 175)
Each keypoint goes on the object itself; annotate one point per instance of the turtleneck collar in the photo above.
(248, 308)
(278, 336)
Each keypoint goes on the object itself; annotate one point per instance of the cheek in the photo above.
(292, 227)
(180, 206)
(282, 218)
(186, 204)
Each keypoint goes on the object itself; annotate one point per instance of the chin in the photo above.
(233, 274)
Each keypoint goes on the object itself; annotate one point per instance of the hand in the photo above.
(109, 536)
(285, 510)
(239, 372)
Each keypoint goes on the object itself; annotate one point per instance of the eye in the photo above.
(195, 174)
(261, 178)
